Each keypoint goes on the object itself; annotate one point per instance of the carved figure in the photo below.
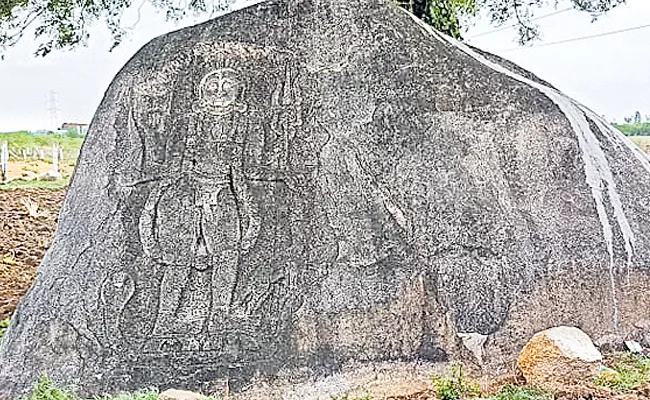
(210, 219)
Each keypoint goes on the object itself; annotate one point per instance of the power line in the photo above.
(503, 28)
(580, 38)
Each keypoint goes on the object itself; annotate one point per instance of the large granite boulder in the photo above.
(559, 356)
(306, 183)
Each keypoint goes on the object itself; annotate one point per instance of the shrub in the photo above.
(455, 386)
(632, 371)
(45, 389)
(512, 392)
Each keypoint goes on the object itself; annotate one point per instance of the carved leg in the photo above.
(171, 289)
(224, 282)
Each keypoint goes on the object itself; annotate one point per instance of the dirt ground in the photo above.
(24, 239)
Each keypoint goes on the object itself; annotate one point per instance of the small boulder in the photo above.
(175, 394)
(557, 356)
(51, 176)
(29, 176)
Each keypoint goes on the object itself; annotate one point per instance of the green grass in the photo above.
(4, 324)
(641, 128)
(19, 184)
(633, 371)
(454, 385)
(23, 140)
(46, 389)
(512, 392)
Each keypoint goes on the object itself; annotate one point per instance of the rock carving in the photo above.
(221, 92)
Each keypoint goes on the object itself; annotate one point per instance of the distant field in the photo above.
(641, 141)
(31, 155)
(634, 129)
(33, 143)
(17, 169)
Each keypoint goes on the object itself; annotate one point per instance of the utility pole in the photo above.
(55, 159)
(4, 162)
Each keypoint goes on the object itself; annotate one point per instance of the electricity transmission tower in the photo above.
(53, 109)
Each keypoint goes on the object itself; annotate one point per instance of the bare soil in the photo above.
(24, 238)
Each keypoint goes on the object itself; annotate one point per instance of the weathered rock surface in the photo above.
(305, 183)
(175, 394)
(557, 356)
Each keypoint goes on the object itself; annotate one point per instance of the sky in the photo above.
(610, 74)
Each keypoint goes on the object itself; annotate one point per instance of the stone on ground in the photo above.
(29, 176)
(560, 355)
(51, 176)
(175, 394)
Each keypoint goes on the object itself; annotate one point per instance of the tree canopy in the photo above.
(448, 16)
(62, 24)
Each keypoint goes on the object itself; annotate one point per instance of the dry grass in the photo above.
(642, 141)
(18, 168)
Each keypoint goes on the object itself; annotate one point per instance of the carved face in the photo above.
(220, 91)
